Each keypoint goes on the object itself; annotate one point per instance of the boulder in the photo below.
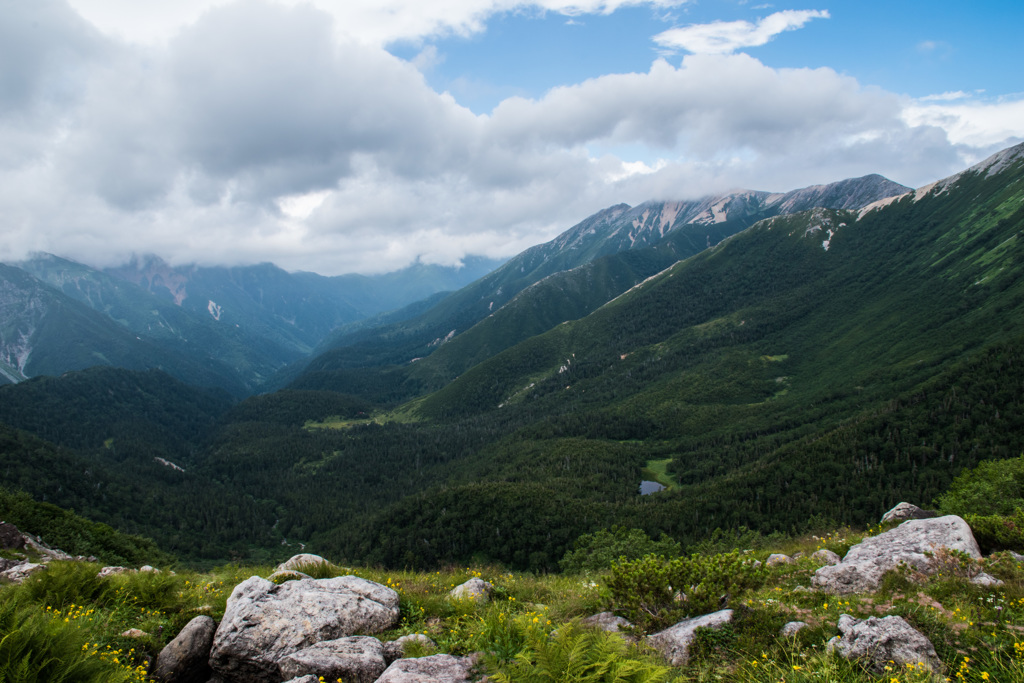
(862, 568)
(10, 537)
(20, 572)
(606, 621)
(880, 642)
(396, 648)
(433, 669)
(299, 561)
(775, 559)
(826, 556)
(477, 590)
(987, 580)
(792, 628)
(111, 571)
(906, 511)
(674, 642)
(265, 622)
(186, 658)
(356, 659)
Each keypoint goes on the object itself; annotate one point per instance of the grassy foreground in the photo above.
(64, 624)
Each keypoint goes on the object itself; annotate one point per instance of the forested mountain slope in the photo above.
(560, 280)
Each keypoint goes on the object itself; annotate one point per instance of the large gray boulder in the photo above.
(878, 643)
(674, 642)
(265, 622)
(433, 669)
(906, 511)
(356, 659)
(186, 658)
(910, 544)
(476, 590)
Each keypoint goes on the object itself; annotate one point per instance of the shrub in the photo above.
(599, 550)
(998, 532)
(994, 487)
(654, 592)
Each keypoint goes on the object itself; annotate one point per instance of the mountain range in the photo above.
(780, 362)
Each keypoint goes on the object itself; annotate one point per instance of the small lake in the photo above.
(649, 487)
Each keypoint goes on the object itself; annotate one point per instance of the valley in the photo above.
(785, 362)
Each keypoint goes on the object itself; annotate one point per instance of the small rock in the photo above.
(396, 648)
(674, 642)
(299, 561)
(186, 658)
(355, 659)
(433, 669)
(826, 557)
(287, 575)
(110, 571)
(475, 589)
(134, 633)
(987, 580)
(792, 628)
(148, 569)
(905, 511)
(884, 642)
(22, 571)
(606, 621)
(305, 679)
(775, 559)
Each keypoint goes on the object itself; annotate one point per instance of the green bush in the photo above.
(998, 532)
(654, 592)
(994, 487)
(599, 550)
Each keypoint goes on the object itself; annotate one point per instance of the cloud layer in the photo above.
(266, 131)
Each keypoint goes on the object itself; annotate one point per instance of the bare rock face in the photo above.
(879, 642)
(477, 590)
(433, 669)
(862, 568)
(264, 622)
(356, 659)
(674, 642)
(298, 561)
(186, 658)
(905, 511)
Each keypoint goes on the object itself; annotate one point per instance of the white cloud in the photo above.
(259, 132)
(372, 21)
(723, 37)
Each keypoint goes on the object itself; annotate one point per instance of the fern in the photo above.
(574, 654)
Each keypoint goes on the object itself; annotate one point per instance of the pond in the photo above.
(649, 487)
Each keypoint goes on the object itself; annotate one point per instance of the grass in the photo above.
(978, 632)
(657, 470)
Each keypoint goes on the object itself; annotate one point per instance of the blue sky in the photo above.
(360, 135)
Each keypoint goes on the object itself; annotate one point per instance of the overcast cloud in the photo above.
(261, 131)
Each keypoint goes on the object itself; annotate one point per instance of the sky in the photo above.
(340, 136)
